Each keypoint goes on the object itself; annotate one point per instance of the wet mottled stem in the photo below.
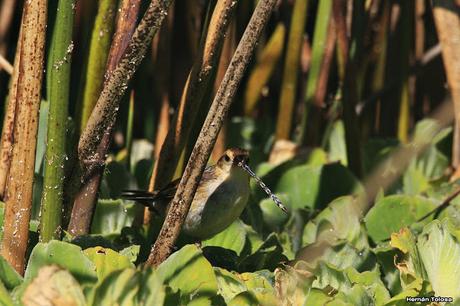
(200, 154)
(291, 68)
(18, 193)
(446, 16)
(101, 37)
(198, 83)
(58, 83)
(6, 142)
(80, 220)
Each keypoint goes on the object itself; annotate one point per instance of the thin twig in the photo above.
(444, 204)
(5, 65)
(200, 154)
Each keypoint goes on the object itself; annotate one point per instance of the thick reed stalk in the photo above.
(95, 138)
(58, 84)
(318, 51)
(291, 68)
(101, 38)
(18, 195)
(447, 20)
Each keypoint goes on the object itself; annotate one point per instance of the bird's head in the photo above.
(232, 159)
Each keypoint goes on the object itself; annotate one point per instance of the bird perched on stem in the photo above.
(220, 199)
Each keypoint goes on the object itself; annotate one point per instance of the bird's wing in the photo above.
(164, 195)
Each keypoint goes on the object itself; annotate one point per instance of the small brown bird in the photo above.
(220, 199)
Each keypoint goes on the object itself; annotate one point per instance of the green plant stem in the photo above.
(291, 68)
(406, 22)
(98, 53)
(59, 64)
(200, 154)
(318, 50)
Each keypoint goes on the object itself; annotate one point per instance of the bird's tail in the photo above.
(142, 197)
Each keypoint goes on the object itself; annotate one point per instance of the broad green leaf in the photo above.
(229, 284)
(188, 271)
(272, 214)
(53, 286)
(376, 150)
(357, 288)
(336, 235)
(118, 288)
(337, 146)
(267, 256)
(392, 213)
(5, 298)
(244, 298)
(151, 289)
(8, 275)
(315, 186)
(131, 252)
(440, 254)
(65, 255)
(107, 260)
(111, 216)
(260, 286)
(232, 238)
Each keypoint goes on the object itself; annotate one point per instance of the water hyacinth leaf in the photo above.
(8, 275)
(232, 238)
(357, 288)
(392, 213)
(107, 260)
(229, 284)
(336, 236)
(111, 216)
(131, 252)
(118, 288)
(271, 213)
(65, 255)
(151, 289)
(260, 286)
(5, 298)
(53, 286)
(268, 256)
(309, 186)
(244, 298)
(440, 253)
(188, 271)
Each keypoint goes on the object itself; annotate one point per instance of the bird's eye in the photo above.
(226, 158)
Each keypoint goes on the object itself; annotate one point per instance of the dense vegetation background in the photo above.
(350, 110)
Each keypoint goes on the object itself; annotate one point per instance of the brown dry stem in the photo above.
(200, 154)
(195, 89)
(26, 92)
